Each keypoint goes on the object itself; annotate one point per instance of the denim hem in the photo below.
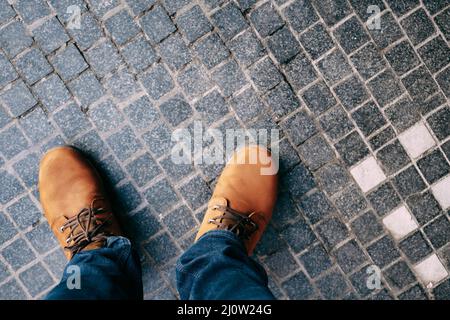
(224, 234)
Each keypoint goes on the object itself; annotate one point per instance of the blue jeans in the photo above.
(215, 267)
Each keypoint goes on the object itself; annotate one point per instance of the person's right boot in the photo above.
(75, 202)
(244, 196)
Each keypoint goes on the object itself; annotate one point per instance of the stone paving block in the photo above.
(180, 221)
(157, 81)
(282, 100)
(443, 24)
(172, 6)
(435, 54)
(193, 23)
(384, 199)
(439, 123)
(6, 11)
(27, 169)
(283, 45)
(383, 251)
(86, 88)
(103, 58)
(316, 261)
(158, 139)
(69, 63)
(176, 110)
(8, 231)
(36, 279)
(333, 177)
(369, 118)
(61, 8)
(332, 11)
(300, 71)
(247, 105)
(265, 74)
(161, 196)
(403, 114)
(332, 286)
(336, 123)
(18, 99)
(176, 171)
(247, 48)
(352, 148)
(332, 231)
(71, 120)
(368, 61)
(319, 98)
(36, 125)
(420, 84)
(196, 192)
(91, 144)
(358, 36)
(139, 54)
(385, 87)
(431, 271)
(433, 166)
(128, 197)
(143, 169)
(415, 247)
(14, 38)
(388, 33)
(408, 182)
(438, 232)
(300, 14)
(414, 293)
(351, 202)
(161, 248)
(366, 227)
(42, 238)
(229, 20)
(361, 7)
(18, 254)
(193, 80)
(349, 256)
(229, 77)
(7, 72)
(122, 84)
(212, 107)
(100, 7)
(399, 275)
(316, 206)
(33, 66)
(121, 27)
(30, 10)
(403, 6)
(211, 50)
(299, 127)
(442, 291)
(56, 262)
(351, 93)
(334, 66)
(88, 33)
(402, 58)
(106, 116)
(288, 157)
(299, 236)
(316, 152)
(139, 6)
(156, 24)
(266, 19)
(424, 207)
(316, 41)
(11, 290)
(124, 143)
(141, 113)
(51, 92)
(111, 171)
(444, 81)
(175, 52)
(4, 273)
(12, 142)
(298, 287)
(50, 35)
(281, 263)
(24, 212)
(142, 225)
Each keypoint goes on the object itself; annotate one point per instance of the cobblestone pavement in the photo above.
(363, 114)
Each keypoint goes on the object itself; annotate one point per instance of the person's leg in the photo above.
(218, 265)
(102, 264)
(111, 272)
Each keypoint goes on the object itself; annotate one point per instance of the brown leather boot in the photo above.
(74, 201)
(243, 199)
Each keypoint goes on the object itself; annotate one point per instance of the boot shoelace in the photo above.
(240, 224)
(90, 227)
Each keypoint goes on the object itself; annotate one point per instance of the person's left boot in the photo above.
(75, 202)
